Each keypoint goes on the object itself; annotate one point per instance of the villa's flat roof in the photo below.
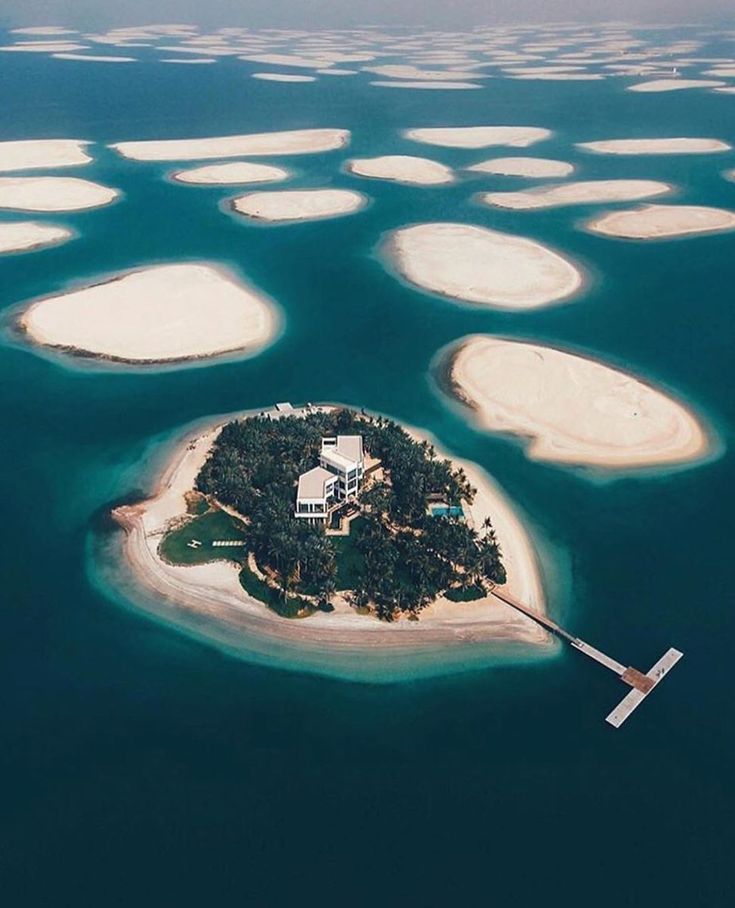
(350, 446)
(331, 455)
(312, 483)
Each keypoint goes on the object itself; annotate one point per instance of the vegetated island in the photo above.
(340, 517)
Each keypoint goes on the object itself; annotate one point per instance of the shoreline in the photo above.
(212, 592)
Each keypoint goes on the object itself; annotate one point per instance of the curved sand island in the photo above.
(297, 141)
(657, 85)
(681, 145)
(53, 194)
(25, 236)
(524, 167)
(161, 314)
(435, 86)
(299, 204)
(478, 265)
(658, 222)
(570, 409)
(231, 173)
(583, 193)
(479, 136)
(209, 599)
(283, 77)
(35, 154)
(402, 169)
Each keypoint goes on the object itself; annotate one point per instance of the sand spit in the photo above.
(42, 30)
(479, 136)
(477, 265)
(402, 169)
(25, 236)
(341, 642)
(424, 86)
(53, 194)
(535, 168)
(656, 146)
(160, 314)
(582, 193)
(297, 141)
(231, 174)
(43, 47)
(90, 58)
(187, 61)
(657, 222)
(572, 409)
(299, 204)
(658, 85)
(282, 77)
(37, 154)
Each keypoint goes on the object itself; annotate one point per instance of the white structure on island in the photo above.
(336, 479)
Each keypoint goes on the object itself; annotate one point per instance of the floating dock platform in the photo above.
(641, 683)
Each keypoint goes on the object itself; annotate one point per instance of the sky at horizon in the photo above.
(458, 14)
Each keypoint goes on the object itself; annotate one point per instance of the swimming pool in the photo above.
(446, 510)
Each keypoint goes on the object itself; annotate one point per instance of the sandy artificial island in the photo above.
(662, 222)
(33, 154)
(24, 236)
(571, 409)
(478, 265)
(682, 145)
(479, 136)
(53, 194)
(342, 642)
(583, 193)
(299, 204)
(231, 173)
(402, 169)
(160, 314)
(536, 168)
(297, 141)
(657, 85)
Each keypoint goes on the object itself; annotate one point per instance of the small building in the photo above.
(316, 494)
(336, 479)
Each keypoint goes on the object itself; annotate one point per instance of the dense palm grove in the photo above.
(407, 556)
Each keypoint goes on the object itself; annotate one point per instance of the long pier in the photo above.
(641, 684)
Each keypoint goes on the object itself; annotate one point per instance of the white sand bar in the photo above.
(159, 314)
(53, 194)
(479, 136)
(91, 58)
(32, 154)
(231, 173)
(582, 193)
(298, 141)
(682, 145)
(654, 222)
(299, 204)
(283, 77)
(657, 85)
(23, 236)
(423, 86)
(484, 266)
(572, 409)
(535, 168)
(402, 169)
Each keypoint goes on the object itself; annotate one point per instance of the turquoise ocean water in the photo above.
(142, 765)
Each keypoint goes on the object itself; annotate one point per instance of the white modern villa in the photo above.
(336, 479)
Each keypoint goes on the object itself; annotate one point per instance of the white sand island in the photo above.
(477, 265)
(232, 173)
(581, 193)
(569, 408)
(423, 86)
(658, 222)
(657, 85)
(37, 154)
(160, 314)
(402, 169)
(535, 168)
(298, 204)
(342, 642)
(283, 77)
(93, 58)
(297, 141)
(478, 136)
(680, 145)
(53, 194)
(25, 236)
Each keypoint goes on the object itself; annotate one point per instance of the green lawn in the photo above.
(456, 594)
(207, 528)
(288, 608)
(349, 560)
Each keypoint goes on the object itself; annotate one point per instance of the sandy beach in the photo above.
(299, 204)
(571, 409)
(25, 236)
(231, 173)
(35, 154)
(297, 141)
(213, 592)
(478, 265)
(53, 194)
(402, 169)
(535, 168)
(681, 145)
(478, 136)
(581, 193)
(159, 314)
(657, 222)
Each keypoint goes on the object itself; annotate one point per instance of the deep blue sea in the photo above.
(142, 766)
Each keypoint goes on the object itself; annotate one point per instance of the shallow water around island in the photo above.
(134, 746)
